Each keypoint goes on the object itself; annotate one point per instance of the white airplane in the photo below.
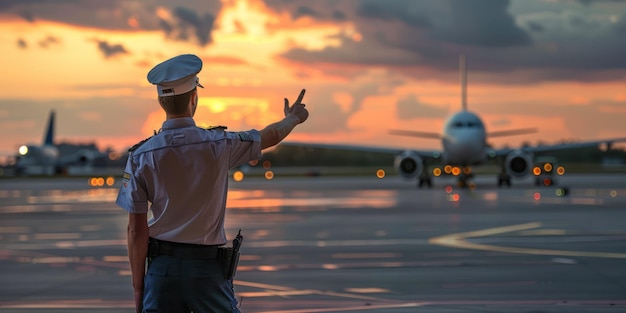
(45, 159)
(464, 143)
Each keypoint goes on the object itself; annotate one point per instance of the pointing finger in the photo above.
(300, 96)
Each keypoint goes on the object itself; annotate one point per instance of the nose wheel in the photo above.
(424, 179)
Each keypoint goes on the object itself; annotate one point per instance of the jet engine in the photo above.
(518, 163)
(409, 164)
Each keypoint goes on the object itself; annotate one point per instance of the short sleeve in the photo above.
(245, 147)
(132, 196)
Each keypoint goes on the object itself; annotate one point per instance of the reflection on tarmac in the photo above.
(338, 245)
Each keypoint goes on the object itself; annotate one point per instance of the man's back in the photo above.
(184, 171)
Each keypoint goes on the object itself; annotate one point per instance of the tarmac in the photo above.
(340, 244)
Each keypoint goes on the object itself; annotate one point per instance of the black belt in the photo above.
(158, 247)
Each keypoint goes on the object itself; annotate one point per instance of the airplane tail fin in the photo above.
(48, 138)
(463, 72)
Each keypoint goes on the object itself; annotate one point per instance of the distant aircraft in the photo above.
(464, 142)
(45, 159)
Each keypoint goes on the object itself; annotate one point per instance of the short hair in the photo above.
(176, 104)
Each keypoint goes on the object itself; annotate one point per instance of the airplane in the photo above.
(45, 159)
(464, 144)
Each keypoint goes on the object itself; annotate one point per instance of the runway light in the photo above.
(613, 193)
(537, 196)
(269, 175)
(447, 169)
(380, 173)
(547, 167)
(454, 197)
(456, 171)
(23, 150)
(561, 192)
(547, 181)
(467, 170)
(238, 176)
(560, 170)
(267, 164)
(436, 172)
(537, 171)
(100, 181)
(110, 181)
(448, 189)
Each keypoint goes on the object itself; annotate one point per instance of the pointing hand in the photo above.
(297, 109)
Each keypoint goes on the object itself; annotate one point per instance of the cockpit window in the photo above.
(470, 124)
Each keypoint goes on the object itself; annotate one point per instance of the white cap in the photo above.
(177, 75)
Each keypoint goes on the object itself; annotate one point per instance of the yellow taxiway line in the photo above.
(458, 240)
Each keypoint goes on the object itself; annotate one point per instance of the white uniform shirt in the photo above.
(181, 175)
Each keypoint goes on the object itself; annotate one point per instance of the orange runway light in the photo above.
(437, 172)
(456, 171)
(380, 173)
(269, 175)
(560, 170)
(547, 167)
(536, 171)
(238, 176)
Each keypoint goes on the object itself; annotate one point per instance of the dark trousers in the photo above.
(175, 284)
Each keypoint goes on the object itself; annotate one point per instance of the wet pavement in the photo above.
(353, 244)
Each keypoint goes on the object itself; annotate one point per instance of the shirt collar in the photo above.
(178, 123)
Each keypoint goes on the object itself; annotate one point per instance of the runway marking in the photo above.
(458, 240)
(275, 290)
(353, 308)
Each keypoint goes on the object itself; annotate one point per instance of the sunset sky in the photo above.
(368, 66)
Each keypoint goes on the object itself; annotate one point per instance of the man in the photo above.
(180, 175)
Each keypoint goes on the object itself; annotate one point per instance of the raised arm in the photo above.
(295, 114)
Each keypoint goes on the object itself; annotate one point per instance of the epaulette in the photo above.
(136, 146)
(216, 127)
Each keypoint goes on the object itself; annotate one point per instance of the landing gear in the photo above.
(424, 179)
(464, 178)
(504, 178)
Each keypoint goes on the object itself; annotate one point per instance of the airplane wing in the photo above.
(426, 154)
(564, 146)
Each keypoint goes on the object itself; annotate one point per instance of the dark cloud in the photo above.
(48, 41)
(535, 27)
(483, 23)
(339, 16)
(110, 50)
(22, 44)
(304, 11)
(402, 10)
(191, 22)
(411, 107)
(589, 2)
(194, 20)
(516, 41)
